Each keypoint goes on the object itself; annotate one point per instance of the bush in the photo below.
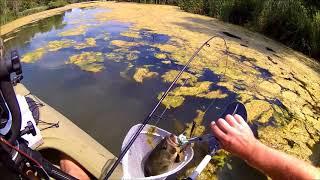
(33, 10)
(286, 21)
(235, 11)
(57, 3)
(193, 6)
(315, 35)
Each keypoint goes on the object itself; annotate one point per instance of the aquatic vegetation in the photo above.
(34, 56)
(160, 56)
(172, 101)
(116, 57)
(198, 89)
(57, 45)
(217, 94)
(80, 30)
(260, 111)
(89, 42)
(133, 55)
(88, 61)
(169, 76)
(131, 34)
(143, 73)
(124, 44)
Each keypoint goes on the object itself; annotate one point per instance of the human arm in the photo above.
(235, 136)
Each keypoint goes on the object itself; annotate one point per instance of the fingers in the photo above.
(217, 132)
(232, 121)
(223, 125)
(240, 120)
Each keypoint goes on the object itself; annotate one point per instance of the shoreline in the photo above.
(14, 25)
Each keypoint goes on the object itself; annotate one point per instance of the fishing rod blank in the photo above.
(150, 115)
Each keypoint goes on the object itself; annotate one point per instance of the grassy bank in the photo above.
(13, 9)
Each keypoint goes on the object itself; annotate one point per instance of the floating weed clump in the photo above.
(80, 30)
(143, 73)
(199, 88)
(124, 44)
(89, 42)
(131, 34)
(116, 57)
(88, 61)
(57, 45)
(160, 55)
(169, 76)
(133, 55)
(259, 110)
(172, 101)
(217, 94)
(34, 56)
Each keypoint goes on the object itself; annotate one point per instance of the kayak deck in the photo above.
(72, 141)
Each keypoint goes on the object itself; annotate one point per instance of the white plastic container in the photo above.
(133, 161)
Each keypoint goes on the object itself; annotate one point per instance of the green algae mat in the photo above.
(105, 66)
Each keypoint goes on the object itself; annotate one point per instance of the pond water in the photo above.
(106, 103)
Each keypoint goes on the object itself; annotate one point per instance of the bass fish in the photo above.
(163, 156)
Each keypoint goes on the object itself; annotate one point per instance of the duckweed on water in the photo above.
(172, 101)
(89, 42)
(57, 45)
(169, 76)
(124, 44)
(131, 34)
(34, 56)
(80, 30)
(160, 56)
(88, 61)
(197, 89)
(143, 73)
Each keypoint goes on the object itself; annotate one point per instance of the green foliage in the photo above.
(315, 35)
(193, 6)
(57, 3)
(289, 24)
(234, 11)
(33, 10)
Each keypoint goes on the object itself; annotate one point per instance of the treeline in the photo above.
(295, 23)
(13, 9)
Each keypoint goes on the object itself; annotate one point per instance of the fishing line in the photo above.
(150, 115)
(165, 110)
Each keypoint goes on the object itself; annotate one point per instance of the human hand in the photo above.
(235, 136)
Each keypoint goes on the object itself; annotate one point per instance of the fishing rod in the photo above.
(150, 115)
